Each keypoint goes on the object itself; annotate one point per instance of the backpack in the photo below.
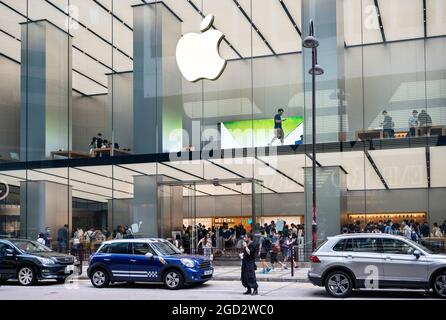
(267, 244)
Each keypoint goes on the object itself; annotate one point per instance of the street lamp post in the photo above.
(316, 70)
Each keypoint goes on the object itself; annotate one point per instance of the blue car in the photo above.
(146, 260)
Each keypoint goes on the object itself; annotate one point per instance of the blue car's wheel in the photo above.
(100, 278)
(173, 279)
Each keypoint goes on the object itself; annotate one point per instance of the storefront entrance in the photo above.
(210, 216)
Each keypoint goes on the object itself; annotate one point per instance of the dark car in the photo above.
(147, 260)
(29, 261)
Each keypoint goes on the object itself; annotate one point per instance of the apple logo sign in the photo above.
(198, 54)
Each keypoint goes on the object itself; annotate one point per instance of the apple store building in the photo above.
(166, 118)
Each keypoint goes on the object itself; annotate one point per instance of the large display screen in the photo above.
(259, 133)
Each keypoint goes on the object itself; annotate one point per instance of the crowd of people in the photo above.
(87, 238)
(419, 124)
(273, 244)
(408, 228)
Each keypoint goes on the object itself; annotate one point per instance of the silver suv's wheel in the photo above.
(173, 280)
(338, 284)
(100, 278)
(439, 285)
(26, 276)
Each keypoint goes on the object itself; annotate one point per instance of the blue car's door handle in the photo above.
(132, 260)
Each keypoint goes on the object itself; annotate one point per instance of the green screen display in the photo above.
(248, 133)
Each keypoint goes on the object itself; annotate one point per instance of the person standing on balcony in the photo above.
(413, 124)
(387, 125)
(425, 121)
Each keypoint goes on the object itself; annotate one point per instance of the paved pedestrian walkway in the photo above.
(277, 275)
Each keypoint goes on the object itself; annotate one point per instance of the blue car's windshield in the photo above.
(165, 248)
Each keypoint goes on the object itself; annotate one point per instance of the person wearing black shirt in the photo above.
(249, 280)
(97, 141)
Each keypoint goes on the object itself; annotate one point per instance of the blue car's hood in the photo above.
(186, 256)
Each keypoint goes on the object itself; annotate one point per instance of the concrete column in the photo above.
(328, 17)
(171, 210)
(331, 201)
(44, 204)
(158, 211)
(158, 104)
(145, 205)
(46, 90)
(119, 213)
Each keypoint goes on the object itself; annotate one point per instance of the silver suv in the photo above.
(370, 260)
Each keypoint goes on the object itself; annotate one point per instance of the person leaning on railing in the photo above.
(425, 122)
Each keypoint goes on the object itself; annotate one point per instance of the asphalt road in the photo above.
(213, 290)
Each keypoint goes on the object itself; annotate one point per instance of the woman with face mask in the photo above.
(249, 267)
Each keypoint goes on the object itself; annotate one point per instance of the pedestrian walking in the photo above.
(264, 248)
(62, 239)
(47, 237)
(278, 130)
(249, 267)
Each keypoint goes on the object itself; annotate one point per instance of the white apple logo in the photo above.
(197, 54)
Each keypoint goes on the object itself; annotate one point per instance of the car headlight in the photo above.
(188, 263)
(45, 261)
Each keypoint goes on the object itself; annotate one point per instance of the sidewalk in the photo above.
(232, 273)
(277, 275)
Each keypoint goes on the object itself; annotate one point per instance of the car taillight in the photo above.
(315, 259)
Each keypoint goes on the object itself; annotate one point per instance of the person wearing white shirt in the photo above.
(407, 231)
(41, 239)
(413, 124)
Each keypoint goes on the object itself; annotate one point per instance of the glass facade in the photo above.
(100, 127)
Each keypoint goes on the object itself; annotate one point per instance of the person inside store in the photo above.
(387, 125)
(278, 130)
(425, 123)
(413, 123)
(248, 272)
(96, 143)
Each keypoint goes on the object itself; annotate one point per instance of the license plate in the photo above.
(69, 268)
(207, 272)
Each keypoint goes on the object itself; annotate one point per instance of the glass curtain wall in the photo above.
(98, 83)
